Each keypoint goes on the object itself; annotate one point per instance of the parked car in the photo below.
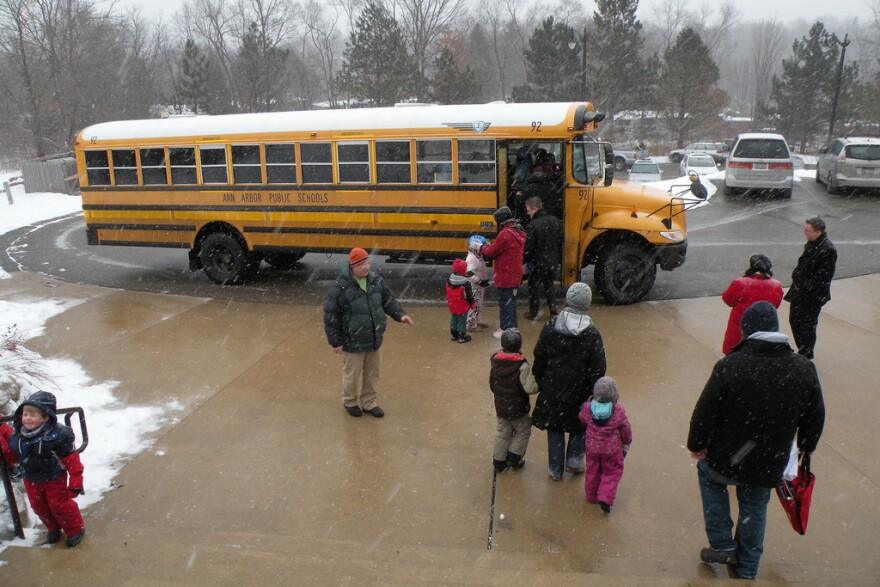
(645, 171)
(759, 161)
(624, 158)
(699, 163)
(716, 149)
(849, 162)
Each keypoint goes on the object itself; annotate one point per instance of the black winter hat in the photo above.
(759, 317)
(502, 215)
(511, 340)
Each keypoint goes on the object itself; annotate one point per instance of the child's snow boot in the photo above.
(500, 466)
(515, 461)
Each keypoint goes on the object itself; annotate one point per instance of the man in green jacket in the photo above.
(354, 321)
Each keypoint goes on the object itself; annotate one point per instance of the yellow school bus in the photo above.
(409, 182)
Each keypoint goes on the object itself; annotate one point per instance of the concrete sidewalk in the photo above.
(264, 479)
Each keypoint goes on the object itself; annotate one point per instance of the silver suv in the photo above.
(716, 149)
(849, 162)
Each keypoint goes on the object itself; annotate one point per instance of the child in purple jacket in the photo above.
(607, 441)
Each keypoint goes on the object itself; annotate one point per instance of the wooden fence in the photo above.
(54, 173)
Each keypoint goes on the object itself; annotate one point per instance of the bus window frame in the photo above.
(436, 162)
(310, 165)
(408, 163)
(104, 168)
(297, 177)
(493, 160)
(340, 164)
(194, 166)
(211, 166)
(164, 165)
(117, 168)
(250, 166)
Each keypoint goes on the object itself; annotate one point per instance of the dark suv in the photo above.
(849, 162)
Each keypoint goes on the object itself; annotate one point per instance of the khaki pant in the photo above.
(512, 436)
(358, 368)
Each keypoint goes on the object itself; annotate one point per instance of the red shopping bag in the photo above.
(796, 495)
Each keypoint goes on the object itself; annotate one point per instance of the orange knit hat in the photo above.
(357, 256)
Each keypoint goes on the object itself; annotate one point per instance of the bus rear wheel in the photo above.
(625, 274)
(283, 260)
(226, 261)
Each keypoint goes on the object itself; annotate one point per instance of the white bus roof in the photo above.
(469, 117)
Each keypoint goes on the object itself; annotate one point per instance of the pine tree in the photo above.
(191, 86)
(803, 93)
(451, 86)
(622, 79)
(553, 70)
(687, 92)
(261, 72)
(376, 66)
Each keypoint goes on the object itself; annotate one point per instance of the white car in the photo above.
(699, 163)
(645, 171)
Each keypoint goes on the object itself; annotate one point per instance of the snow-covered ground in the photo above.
(124, 431)
(116, 432)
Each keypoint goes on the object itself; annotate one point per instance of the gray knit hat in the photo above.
(605, 390)
(502, 215)
(579, 297)
(511, 340)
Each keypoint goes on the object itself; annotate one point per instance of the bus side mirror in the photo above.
(609, 174)
(609, 163)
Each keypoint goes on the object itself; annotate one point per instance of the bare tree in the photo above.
(768, 45)
(321, 43)
(423, 23)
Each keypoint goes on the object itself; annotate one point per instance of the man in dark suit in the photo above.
(811, 285)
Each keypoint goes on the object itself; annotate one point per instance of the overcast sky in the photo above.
(782, 10)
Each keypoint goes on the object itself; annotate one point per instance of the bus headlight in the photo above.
(672, 235)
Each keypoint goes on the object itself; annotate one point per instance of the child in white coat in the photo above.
(478, 275)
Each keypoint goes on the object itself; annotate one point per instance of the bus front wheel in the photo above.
(225, 260)
(625, 274)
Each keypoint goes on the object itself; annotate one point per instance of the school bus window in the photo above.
(246, 164)
(97, 167)
(434, 161)
(183, 165)
(213, 160)
(317, 164)
(354, 162)
(124, 166)
(476, 161)
(281, 163)
(153, 166)
(393, 162)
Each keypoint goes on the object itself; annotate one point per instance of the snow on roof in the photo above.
(477, 117)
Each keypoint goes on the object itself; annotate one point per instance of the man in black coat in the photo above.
(811, 285)
(757, 399)
(543, 254)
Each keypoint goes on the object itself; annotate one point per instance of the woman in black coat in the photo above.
(569, 358)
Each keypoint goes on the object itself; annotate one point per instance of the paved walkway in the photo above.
(264, 479)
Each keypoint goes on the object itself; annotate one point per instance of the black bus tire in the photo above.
(225, 260)
(625, 273)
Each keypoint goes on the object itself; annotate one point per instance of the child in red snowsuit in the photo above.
(608, 438)
(51, 467)
(460, 299)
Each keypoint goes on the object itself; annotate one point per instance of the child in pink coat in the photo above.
(608, 438)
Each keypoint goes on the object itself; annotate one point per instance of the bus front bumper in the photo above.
(671, 256)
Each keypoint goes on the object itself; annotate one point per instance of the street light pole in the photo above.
(843, 44)
(571, 45)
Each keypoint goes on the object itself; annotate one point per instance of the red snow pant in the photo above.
(602, 476)
(53, 503)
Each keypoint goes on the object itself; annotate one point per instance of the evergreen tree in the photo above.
(191, 86)
(376, 67)
(622, 78)
(451, 86)
(261, 72)
(803, 93)
(687, 91)
(553, 71)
